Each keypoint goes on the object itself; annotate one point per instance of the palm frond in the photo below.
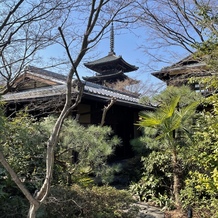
(168, 109)
(149, 120)
(187, 112)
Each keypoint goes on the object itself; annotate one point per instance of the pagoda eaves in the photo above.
(109, 63)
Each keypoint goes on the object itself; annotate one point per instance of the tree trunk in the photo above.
(176, 179)
(105, 110)
(32, 210)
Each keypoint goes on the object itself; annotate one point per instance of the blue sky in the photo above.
(127, 45)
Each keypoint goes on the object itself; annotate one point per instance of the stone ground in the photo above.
(148, 211)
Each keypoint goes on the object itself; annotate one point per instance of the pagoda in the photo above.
(110, 68)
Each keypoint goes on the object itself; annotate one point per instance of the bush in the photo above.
(82, 151)
(12, 202)
(92, 202)
(156, 177)
(200, 197)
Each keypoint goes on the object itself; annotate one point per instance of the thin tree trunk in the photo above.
(34, 204)
(32, 210)
(176, 179)
(105, 110)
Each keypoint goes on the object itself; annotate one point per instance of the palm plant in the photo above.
(171, 121)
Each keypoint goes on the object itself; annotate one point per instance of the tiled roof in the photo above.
(99, 90)
(106, 59)
(108, 77)
(90, 90)
(179, 68)
(186, 65)
(35, 93)
(110, 59)
(46, 74)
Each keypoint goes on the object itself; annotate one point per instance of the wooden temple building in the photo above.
(110, 68)
(179, 73)
(43, 93)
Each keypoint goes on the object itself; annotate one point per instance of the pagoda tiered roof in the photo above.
(110, 62)
(110, 68)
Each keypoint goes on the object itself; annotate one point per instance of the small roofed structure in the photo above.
(110, 68)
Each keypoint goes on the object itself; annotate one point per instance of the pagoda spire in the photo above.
(112, 39)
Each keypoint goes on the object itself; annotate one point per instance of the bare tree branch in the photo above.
(105, 110)
(169, 24)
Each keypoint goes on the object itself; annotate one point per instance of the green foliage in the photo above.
(131, 171)
(167, 132)
(13, 203)
(24, 148)
(3, 130)
(170, 116)
(156, 178)
(145, 144)
(201, 186)
(197, 158)
(82, 151)
(208, 21)
(163, 201)
(101, 202)
(186, 96)
(22, 144)
(208, 50)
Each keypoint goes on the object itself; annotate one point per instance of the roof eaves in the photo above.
(90, 89)
(121, 101)
(101, 87)
(110, 58)
(171, 69)
(57, 80)
(106, 59)
(35, 93)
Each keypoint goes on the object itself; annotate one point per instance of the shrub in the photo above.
(92, 202)
(12, 202)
